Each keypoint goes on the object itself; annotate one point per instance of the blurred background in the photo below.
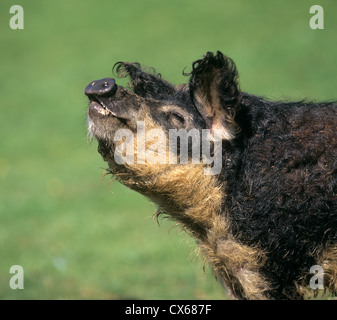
(75, 235)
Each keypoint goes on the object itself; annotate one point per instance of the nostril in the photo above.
(106, 86)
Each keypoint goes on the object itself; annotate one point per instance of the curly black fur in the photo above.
(279, 175)
(146, 84)
(220, 69)
(282, 184)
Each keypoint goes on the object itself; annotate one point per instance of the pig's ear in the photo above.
(215, 91)
(146, 84)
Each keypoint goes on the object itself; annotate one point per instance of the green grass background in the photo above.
(75, 237)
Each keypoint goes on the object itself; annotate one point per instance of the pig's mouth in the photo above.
(102, 95)
(100, 108)
(104, 108)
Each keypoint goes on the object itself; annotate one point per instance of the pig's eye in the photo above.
(177, 119)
